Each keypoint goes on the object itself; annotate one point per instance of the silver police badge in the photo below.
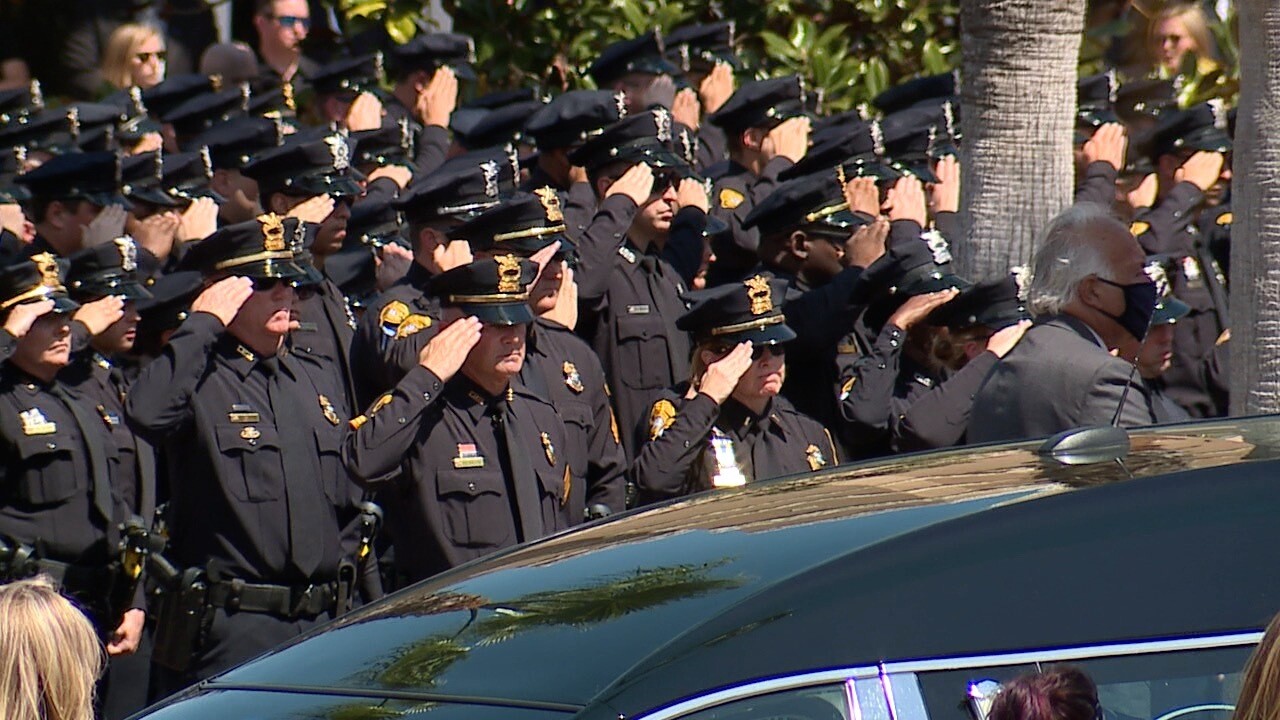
(490, 170)
(340, 151)
(937, 246)
(128, 253)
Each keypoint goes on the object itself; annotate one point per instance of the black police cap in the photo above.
(16, 102)
(390, 144)
(995, 303)
(642, 54)
(186, 176)
(461, 187)
(91, 176)
(574, 117)
(176, 90)
(170, 303)
(644, 137)
(522, 224)
(762, 103)
(500, 126)
(1199, 127)
(855, 151)
(904, 95)
(1137, 100)
(739, 311)
(495, 290)
(141, 179)
(258, 248)
(89, 126)
(34, 279)
(208, 109)
(914, 266)
(1169, 309)
(815, 201)
(307, 164)
(1096, 97)
(700, 47)
(916, 136)
(354, 271)
(108, 269)
(350, 74)
(233, 143)
(137, 122)
(429, 51)
(374, 222)
(272, 98)
(502, 98)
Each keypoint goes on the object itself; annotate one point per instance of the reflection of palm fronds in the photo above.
(365, 712)
(419, 664)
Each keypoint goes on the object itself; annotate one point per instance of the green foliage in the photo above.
(851, 49)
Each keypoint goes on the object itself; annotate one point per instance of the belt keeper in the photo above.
(233, 597)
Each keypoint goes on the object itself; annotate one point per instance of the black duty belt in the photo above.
(280, 600)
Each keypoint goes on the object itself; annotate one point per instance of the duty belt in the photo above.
(280, 600)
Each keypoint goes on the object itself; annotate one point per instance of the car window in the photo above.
(828, 702)
(1186, 685)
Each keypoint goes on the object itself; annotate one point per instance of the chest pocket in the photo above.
(47, 472)
(642, 351)
(578, 427)
(474, 507)
(252, 464)
(332, 473)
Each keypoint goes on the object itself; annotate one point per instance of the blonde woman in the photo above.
(1260, 689)
(50, 656)
(135, 56)
(1178, 29)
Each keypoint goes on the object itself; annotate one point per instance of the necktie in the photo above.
(303, 496)
(100, 474)
(521, 477)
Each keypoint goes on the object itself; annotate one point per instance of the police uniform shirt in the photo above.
(694, 444)
(431, 142)
(434, 453)
(735, 192)
(563, 365)
(208, 401)
(326, 327)
(632, 329)
(391, 335)
(939, 416)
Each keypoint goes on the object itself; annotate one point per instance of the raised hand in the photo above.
(445, 353)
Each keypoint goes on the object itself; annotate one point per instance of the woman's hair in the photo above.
(1059, 693)
(1193, 19)
(50, 656)
(1260, 687)
(946, 346)
(121, 47)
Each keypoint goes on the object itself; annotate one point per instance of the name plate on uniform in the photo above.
(637, 309)
(468, 457)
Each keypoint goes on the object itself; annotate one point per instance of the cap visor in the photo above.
(464, 71)
(284, 269)
(153, 196)
(500, 313)
(932, 284)
(767, 335)
(1169, 310)
(62, 303)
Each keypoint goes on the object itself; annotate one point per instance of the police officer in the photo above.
(391, 334)
(475, 460)
(68, 194)
(767, 132)
(426, 71)
(1156, 355)
(252, 519)
(730, 426)
(706, 54)
(637, 69)
(559, 365)
(230, 146)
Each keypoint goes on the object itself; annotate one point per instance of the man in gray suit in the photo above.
(1092, 303)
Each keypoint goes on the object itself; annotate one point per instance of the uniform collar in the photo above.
(736, 418)
(241, 359)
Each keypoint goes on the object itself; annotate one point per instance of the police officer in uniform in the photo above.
(67, 193)
(472, 461)
(730, 426)
(559, 365)
(239, 421)
(426, 71)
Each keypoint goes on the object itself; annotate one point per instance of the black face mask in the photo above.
(1139, 305)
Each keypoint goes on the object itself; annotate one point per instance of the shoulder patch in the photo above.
(392, 315)
(730, 198)
(1224, 219)
(661, 417)
(410, 325)
(1139, 227)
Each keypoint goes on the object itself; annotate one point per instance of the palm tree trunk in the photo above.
(1018, 95)
(1255, 201)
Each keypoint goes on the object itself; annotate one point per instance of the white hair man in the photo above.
(1092, 303)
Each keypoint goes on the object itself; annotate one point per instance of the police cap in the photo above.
(495, 290)
(995, 303)
(347, 75)
(231, 144)
(642, 54)
(33, 279)
(16, 102)
(429, 51)
(460, 188)
(175, 90)
(700, 47)
(574, 117)
(170, 303)
(815, 202)
(208, 109)
(904, 95)
(854, 151)
(374, 222)
(522, 224)
(645, 137)
(762, 103)
(1199, 127)
(390, 144)
(739, 311)
(186, 176)
(91, 176)
(258, 248)
(141, 177)
(499, 126)
(307, 164)
(109, 269)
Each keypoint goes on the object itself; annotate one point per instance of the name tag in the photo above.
(307, 327)
(461, 463)
(637, 309)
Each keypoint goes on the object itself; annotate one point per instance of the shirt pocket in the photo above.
(578, 426)
(253, 468)
(474, 508)
(332, 473)
(48, 473)
(642, 351)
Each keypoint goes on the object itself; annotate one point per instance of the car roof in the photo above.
(959, 552)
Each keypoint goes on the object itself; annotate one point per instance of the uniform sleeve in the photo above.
(8, 345)
(1098, 185)
(378, 441)
(820, 317)
(1162, 229)
(686, 243)
(433, 148)
(160, 399)
(607, 464)
(671, 446)
(940, 417)
(866, 388)
(598, 245)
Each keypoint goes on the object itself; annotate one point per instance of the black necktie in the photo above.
(523, 480)
(302, 493)
(100, 473)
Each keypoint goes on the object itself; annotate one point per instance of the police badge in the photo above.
(571, 377)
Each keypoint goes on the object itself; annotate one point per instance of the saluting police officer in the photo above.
(426, 71)
(471, 460)
(251, 513)
(729, 426)
(559, 365)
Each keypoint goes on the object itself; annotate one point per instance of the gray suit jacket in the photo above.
(1056, 378)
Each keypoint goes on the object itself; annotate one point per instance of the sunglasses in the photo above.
(663, 179)
(160, 55)
(289, 22)
(757, 351)
(267, 284)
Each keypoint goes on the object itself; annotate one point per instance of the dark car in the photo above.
(896, 590)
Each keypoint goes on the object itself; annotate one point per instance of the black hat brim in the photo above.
(776, 334)
(463, 71)
(506, 314)
(119, 286)
(1169, 310)
(930, 284)
(283, 269)
(153, 196)
(332, 185)
(105, 199)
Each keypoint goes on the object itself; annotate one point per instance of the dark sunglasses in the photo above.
(267, 284)
(146, 56)
(757, 351)
(289, 21)
(663, 179)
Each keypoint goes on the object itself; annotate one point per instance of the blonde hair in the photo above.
(1193, 19)
(121, 47)
(50, 656)
(1260, 687)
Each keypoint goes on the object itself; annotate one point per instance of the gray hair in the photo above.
(1069, 253)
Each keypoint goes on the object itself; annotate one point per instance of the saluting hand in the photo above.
(445, 353)
(905, 201)
(944, 195)
(866, 245)
(863, 196)
(722, 375)
(24, 315)
(437, 101)
(105, 227)
(716, 87)
(449, 255)
(1202, 169)
(686, 109)
(692, 193)
(636, 183)
(100, 314)
(198, 221)
(1107, 145)
(365, 113)
(224, 298)
(1004, 339)
(312, 210)
(790, 139)
(918, 307)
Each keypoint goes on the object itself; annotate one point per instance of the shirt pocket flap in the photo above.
(474, 481)
(246, 438)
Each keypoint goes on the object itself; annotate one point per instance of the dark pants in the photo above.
(124, 689)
